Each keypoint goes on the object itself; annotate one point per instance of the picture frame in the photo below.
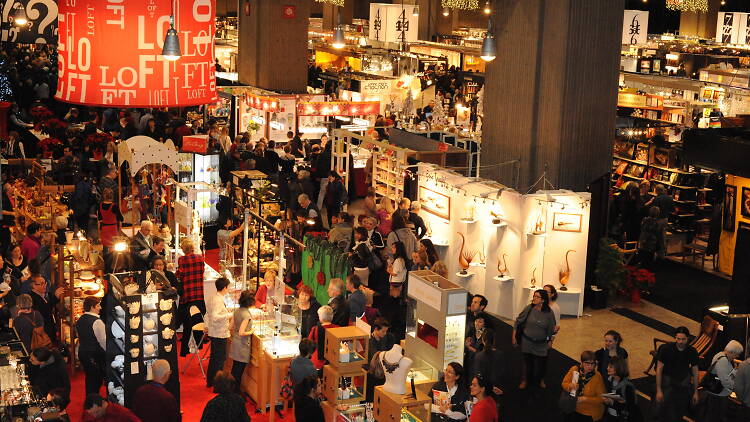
(745, 204)
(435, 203)
(729, 212)
(567, 222)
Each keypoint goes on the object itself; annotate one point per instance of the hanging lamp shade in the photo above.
(171, 50)
(339, 41)
(19, 15)
(489, 47)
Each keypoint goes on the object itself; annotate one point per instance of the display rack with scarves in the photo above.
(322, 261)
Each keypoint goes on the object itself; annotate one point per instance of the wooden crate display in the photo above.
(356, 381)
(387, 406)
(356, 342)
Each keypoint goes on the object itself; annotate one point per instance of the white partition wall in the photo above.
(501, 229)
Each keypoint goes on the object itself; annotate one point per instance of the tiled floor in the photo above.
(587, 332)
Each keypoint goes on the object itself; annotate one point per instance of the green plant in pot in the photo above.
(610, 268)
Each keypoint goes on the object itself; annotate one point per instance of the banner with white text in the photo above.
(110, 53)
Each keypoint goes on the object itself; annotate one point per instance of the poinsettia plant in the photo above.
(41, 114)
(639, 279)
(98, 140)
(48, 146)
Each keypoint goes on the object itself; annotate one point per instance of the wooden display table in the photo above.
(387, 406)
(263, 376)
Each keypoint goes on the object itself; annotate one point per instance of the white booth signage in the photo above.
(635, 27)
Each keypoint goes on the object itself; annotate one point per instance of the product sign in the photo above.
(393, 22)
(109, 53)
(195, 143)
(635, 27)
(375, 87)
(42, 26)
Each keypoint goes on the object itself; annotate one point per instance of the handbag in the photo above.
(39, 337)
(522, 325)
(567, 403)
(710, 382)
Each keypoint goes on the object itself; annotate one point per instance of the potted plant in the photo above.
(637, 281)
(610, 270)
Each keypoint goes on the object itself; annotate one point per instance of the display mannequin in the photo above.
(395, 367)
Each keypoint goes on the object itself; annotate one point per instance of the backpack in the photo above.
(39, 337)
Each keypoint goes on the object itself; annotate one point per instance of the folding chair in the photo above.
(195, 349)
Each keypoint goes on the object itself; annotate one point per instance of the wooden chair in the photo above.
(703, 342)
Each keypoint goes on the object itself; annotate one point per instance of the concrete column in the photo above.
(701, 24)
(551, 94)
(273, 48)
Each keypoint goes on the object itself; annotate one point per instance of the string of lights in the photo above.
(460, 4)
(688, 5)
(339, 3)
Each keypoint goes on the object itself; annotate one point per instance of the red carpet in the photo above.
(193, 391)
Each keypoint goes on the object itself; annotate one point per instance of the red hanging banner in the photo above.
(109, 53)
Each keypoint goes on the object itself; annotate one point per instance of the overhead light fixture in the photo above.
(446, 11)
(415, 11)
(171, 50)
(339, 41)
(489, 47)
(488, 9)
(19, 15)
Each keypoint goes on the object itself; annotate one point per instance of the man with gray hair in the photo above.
(140, 246)
(742, 386)
(152, 402)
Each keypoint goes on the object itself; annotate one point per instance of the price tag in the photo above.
(149, 299)
(134, 368)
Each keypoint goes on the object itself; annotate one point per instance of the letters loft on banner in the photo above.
(110, 53)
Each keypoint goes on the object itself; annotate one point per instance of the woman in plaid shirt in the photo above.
(190, 269)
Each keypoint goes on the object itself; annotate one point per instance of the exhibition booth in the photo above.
(504, 244)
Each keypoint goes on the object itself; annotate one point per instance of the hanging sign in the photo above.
(393, 23)
(109, 53)
(635, 27)
(338, 108)
(42, 27)
(262, 103)
(195, 143)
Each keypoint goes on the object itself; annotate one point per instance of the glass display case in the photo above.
(414, 414)
(205, 169)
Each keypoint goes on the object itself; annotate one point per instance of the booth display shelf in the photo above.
(346, 348)
(389, 407)
(141, 329)
(435, 320)
(344, 387)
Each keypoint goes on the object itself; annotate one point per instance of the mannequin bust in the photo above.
(395, 367)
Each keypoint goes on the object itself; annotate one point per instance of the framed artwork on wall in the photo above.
(435, 202)
(565, 222)
(745, 204)
(730, 208)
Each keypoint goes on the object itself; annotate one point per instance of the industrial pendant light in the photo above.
(415, 11)
(487, 8)
(171, 50)
(19, 15)
(339, 41)
(446, 11)
(489, 48)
